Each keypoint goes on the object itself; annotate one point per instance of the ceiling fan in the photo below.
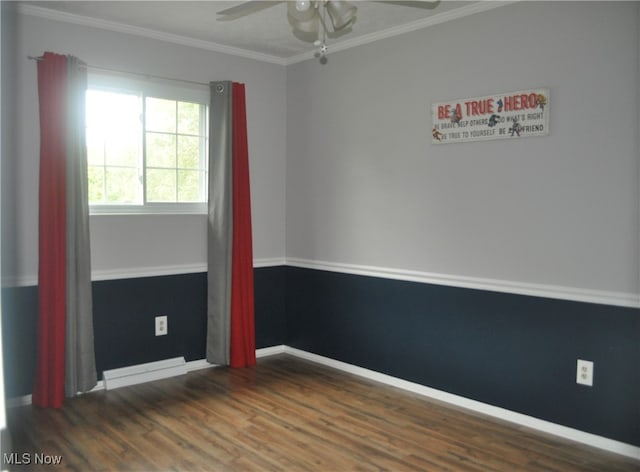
(308, 18)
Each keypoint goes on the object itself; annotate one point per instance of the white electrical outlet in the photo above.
(584, 373)
(161, 325)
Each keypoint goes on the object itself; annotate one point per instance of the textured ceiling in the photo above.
(263, 32)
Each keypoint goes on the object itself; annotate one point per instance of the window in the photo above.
(147, 147)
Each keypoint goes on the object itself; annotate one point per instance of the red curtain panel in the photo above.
(243, 344)
(49, 382)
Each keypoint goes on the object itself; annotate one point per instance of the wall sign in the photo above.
(508, 115)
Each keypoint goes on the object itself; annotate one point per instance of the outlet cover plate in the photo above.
(161, 325)
(584, 373)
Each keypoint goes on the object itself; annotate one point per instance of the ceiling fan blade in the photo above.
(245, 8)
(425, 4)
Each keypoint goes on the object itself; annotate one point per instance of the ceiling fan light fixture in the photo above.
(342, 13)
(306, 22)
(311, 26)
(303, 5)
(300, 15)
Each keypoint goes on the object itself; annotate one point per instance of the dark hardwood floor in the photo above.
(285, 414)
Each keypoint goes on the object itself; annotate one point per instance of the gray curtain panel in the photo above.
(220, 224)
(80, 366)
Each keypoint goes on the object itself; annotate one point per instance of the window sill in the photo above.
(150, 209)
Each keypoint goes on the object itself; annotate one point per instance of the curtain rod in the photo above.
(138, 74)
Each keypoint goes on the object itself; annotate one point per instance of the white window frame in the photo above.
(156, 88)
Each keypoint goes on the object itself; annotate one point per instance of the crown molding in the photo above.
(49, 14)
(432, 20)
(438, 18)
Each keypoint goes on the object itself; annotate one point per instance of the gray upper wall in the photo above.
(342, 165)
(138, 244)
(365, 185)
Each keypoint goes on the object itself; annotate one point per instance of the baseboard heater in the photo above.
(141, 373)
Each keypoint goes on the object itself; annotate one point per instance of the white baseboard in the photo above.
(141, 373)
(270, 351)
(565, 432)
(190, 366)
(14, 402)
(476, 406)
(199, 364)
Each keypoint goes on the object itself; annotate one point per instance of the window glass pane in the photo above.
(145, 146)
(161, 150)
(112, 110)
(188, 152)
(96, 184)
(160, 115)
(161, 185)
(189, 188)
(122, 185)
(123, 149)
(113, 139)
(188, 118)
(95, 147)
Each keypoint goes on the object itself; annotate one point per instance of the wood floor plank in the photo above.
(285, 414)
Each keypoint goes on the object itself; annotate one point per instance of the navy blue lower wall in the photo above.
(515, 352)
(19, 318)
(123, 314)
(512, 351)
